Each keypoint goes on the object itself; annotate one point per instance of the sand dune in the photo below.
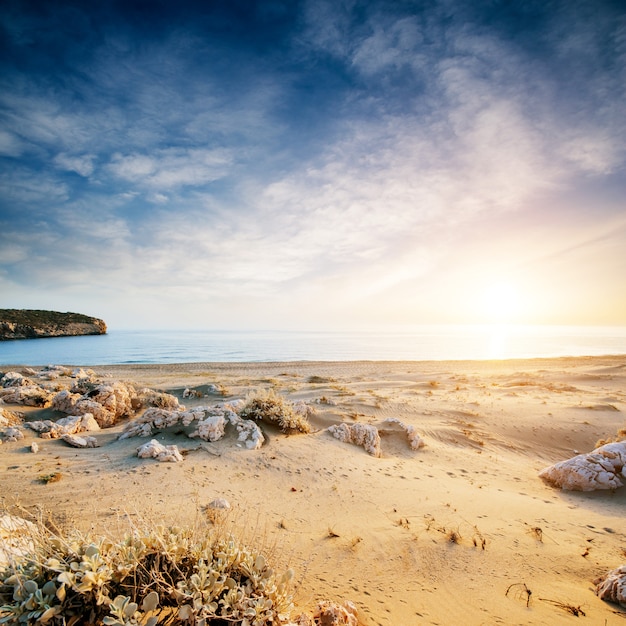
(437, 535)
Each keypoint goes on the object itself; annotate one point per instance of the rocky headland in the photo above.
(35, 324)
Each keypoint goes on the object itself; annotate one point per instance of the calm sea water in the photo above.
(425, 343)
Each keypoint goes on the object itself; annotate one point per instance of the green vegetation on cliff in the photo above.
(32, 324)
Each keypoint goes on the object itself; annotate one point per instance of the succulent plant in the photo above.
(165, 575)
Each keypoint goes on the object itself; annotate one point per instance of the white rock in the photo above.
(415, 441)
(64, 426)
(612, 587)
(249, 432)
(211, 428)
(364, 435)
(65, 401)
(15, 379)
(13, 434)
(235, 405)
(152, 419)
(154, 449)
(34, 447)
(29, 395)
(80, 442)
(107, 403)
(17, 538)
(604, 468)
(7, 418)
(332, 614)
(219, 503)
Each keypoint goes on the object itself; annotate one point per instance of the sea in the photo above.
(424, 343)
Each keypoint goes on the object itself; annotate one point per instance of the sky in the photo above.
(314, 164)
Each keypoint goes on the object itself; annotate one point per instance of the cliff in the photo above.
(32, 324)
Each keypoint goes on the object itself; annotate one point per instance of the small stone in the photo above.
(80, 442)
(154, 449)
(219, 503)
(34, 447)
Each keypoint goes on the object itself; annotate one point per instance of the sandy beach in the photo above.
(457, 531)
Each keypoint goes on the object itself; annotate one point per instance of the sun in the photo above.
(501, 302)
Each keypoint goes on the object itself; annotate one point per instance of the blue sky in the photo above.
(315, 164)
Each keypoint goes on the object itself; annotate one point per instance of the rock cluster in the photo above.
(17, 389)
(107, 403)
(604, 468)
(210, 424)
(368, 435)
(71, 425)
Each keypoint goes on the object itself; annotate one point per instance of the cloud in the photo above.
(81, 164)
(173, 167)
(350, 152)
(10, 144)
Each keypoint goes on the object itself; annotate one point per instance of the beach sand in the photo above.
(430, 536)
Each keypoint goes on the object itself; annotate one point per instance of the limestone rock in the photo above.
(359, 434)
(415, 441)
(116, 398)
(249, 432)
(65, 426)
(65, 401)
(34, 447)
(604, 468)
(159, 399)
(612, 586)
(211, 428)
(15, 379)
(157, 419)
(156, 450)
(29, 395)
(17, 538)
(13, 434)
(80, 442)
(107, 403)
(8, 418)
(332, 614)
(219, 503)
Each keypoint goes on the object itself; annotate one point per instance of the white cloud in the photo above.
(10, 144)
(173, 167)
(389, 47)
(21, 187)
(81, 164)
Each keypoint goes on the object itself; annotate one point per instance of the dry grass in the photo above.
(152, 575)
(266, 405)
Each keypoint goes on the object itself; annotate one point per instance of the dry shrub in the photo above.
(620, 435)
(267, 406)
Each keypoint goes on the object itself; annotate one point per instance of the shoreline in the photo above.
(429, 536)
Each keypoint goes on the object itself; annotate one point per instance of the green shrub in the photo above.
(162, 576)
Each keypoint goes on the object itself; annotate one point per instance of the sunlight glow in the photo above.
(501, 302)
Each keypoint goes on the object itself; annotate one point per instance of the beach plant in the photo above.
(619, 436)
(267, 406)
(151, 576)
